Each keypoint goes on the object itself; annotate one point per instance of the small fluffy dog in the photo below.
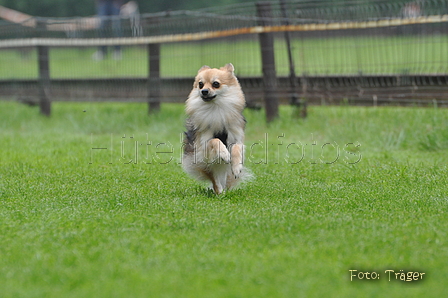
(213, 145)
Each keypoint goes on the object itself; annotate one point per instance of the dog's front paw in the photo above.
(217, 152)
(224, 155)
(237, 169)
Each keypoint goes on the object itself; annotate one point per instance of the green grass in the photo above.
(83, 222)
(312, 56)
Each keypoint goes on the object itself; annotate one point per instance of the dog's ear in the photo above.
(203, 68)
(228, 67)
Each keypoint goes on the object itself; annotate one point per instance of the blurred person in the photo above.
(411, 10)
(109, 13)
(130, 10)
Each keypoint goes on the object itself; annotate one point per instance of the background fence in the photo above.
(364, 52)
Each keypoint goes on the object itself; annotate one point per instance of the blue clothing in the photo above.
(108, 8)
(110, 24)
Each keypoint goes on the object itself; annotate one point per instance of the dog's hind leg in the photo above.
(217, 188)
(217, 175)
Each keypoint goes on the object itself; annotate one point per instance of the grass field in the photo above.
(349, 188)
(312, 56)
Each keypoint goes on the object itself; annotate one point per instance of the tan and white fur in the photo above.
(213, 145)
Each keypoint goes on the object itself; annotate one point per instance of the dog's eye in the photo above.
(201, 85)
(215, 84)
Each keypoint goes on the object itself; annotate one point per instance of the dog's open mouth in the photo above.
(208, 98)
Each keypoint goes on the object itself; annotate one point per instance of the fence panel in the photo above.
(368, 53)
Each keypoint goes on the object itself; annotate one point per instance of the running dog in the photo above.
(213, 144)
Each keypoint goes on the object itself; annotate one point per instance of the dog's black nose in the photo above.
(204, 92)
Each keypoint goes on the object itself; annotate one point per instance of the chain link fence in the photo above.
(365, 52)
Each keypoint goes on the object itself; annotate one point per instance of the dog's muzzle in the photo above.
(206, 96)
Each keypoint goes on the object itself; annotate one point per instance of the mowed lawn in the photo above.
(94, 203)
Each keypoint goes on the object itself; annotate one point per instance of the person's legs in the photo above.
(103, 13)
(110, 26)
(116, 29)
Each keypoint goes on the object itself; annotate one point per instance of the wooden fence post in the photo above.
(154, 78)
(299, 105)
(264, 12)
(44, 75)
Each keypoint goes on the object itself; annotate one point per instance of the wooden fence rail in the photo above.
(416, 90)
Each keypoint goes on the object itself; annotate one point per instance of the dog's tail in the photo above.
(245, 176)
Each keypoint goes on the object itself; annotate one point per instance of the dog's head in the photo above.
(212, 82)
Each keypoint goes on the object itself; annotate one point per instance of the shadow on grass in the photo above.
(204, 193)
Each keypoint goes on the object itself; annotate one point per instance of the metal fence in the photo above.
(365, 52)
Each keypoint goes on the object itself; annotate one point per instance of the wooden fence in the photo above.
(415, 89)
